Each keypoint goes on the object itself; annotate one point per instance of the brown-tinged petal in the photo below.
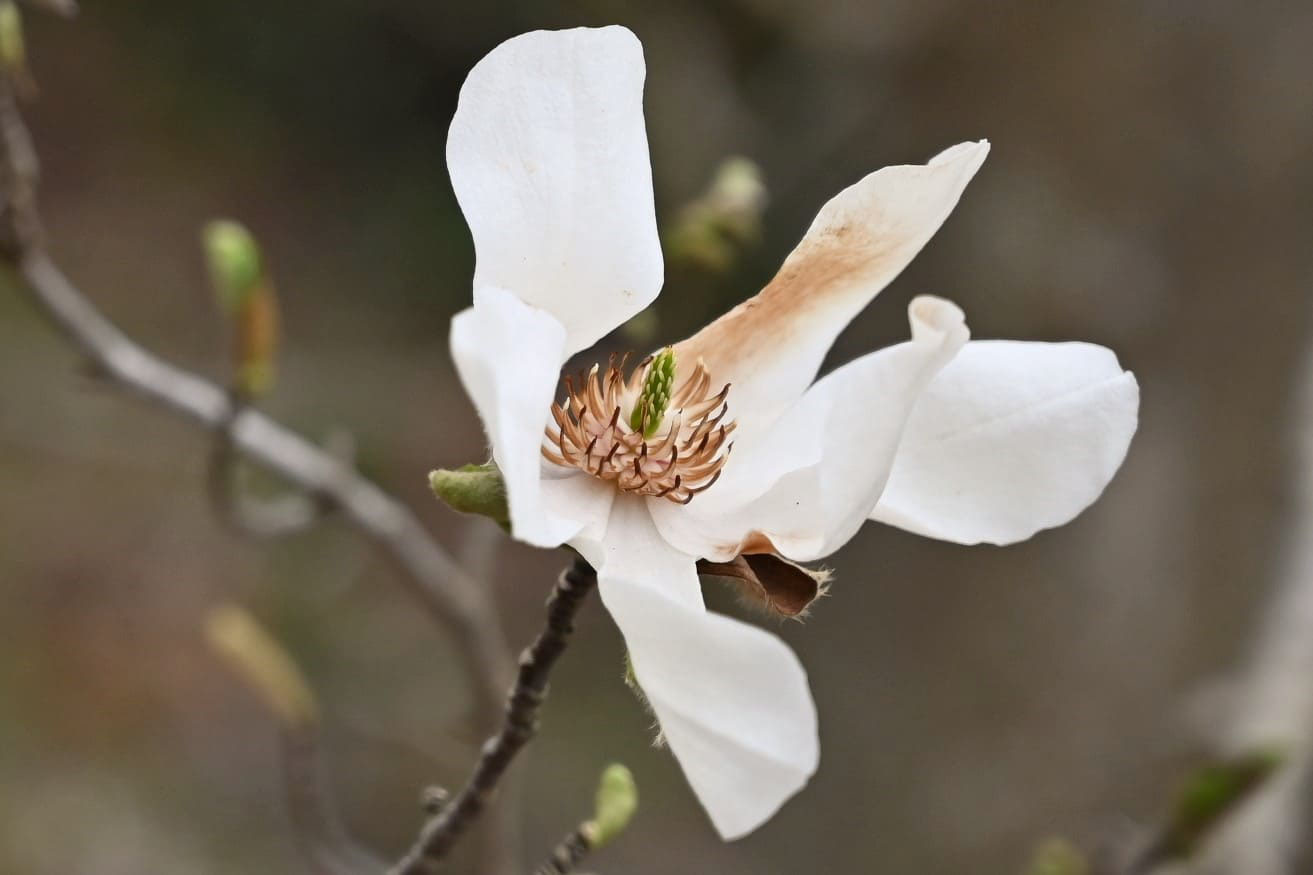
(771, 346)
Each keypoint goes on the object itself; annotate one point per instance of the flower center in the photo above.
(643, 434)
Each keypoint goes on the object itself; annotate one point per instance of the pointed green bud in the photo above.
(234, 261)
(712, 231)
(13, 52)
(653, 400)
(473, 489)
(1058, 856)
(617, 800)
(1210, 794)
(246, 295)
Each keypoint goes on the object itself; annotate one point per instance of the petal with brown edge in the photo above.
(770, 347)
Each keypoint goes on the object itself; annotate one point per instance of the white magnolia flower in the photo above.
(968, 442)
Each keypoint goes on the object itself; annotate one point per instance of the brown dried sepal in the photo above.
(591, 431)
(781, 586)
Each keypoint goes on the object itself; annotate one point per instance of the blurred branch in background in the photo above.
(1249, 811)
(1213, 796)
(273, 676)
(450, 595)
(1275, 698)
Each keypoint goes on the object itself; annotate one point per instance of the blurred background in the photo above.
(1149, 189)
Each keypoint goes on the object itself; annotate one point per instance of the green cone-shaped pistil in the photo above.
(655, 397)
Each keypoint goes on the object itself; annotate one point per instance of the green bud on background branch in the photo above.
(13, 50)
(711, 231)
(246, 295)
(1209, 795)
(1058, 857)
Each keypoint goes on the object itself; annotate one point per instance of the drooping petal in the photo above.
(805, 486)
(548, 157)
(771, 346)
(508, 355)
(1009, 439)
(732, 699)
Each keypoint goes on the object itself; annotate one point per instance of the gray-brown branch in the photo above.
(255, 516)
(518, 726)
(567, 855)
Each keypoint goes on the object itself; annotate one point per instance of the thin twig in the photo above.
(1273, 702)
(568, 854)
(519, 725)
(445, 590)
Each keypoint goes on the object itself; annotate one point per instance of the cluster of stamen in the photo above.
(675, 457)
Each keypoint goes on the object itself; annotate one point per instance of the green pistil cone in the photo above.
(653, 400)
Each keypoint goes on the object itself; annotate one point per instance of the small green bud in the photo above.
(246, 294)
(13, 52)
(712, 231)
(473, 489)
(234, 261)
(655, 395)
(617, 800)
(1210, 794)
(1058, 857)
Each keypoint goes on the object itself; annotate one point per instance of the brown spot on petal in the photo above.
(781, 586)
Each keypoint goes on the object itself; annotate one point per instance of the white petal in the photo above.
(732, 699)
(548, 158)
(508, 355)
(1009, 439)
(578, 497)
(808, 485)
(771, 346)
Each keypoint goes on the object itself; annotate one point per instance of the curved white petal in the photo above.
(810, 482)
(548, 158)
(1009, 439)
(508, 355)
(732, 699)
(771, 346)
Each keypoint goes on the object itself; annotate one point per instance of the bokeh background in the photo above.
(1149, 189)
